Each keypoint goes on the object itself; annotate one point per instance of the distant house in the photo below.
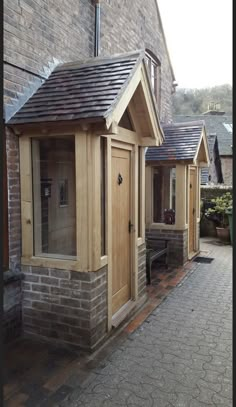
(220, 140)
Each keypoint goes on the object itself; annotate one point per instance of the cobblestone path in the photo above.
(180, 356)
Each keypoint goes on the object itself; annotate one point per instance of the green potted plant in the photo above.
(218, 213)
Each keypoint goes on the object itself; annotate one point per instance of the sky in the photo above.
(199, 39)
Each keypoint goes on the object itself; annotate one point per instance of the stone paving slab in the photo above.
(181, 356)
(176, 352)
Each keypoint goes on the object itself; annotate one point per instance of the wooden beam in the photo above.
(161, 163)
(134, 197)
(125, 99)
(148, 141)
(142, 190)
(148, 195)
(202, 153)
(81, 199)
(47, 262)
(109, 235)
(37, 197)
(26, 196)
(136, 120)
(57, 127)
(180, 196)
(94, 201)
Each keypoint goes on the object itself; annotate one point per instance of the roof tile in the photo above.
(78, 90)
(181, 142)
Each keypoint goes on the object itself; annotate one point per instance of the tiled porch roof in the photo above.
(80, 90)
(181, 142)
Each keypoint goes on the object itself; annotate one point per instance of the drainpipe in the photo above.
(97, 28)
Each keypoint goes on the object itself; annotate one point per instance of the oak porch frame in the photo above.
(88, 204)
(180, 217)
(182, 201)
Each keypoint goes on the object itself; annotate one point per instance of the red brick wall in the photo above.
(14, 208)
(39, 34)
(12, 277)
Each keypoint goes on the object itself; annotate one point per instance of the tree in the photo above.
(196, 101)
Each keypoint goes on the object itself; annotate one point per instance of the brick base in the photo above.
(178, 245)
(68, 306)
(141, 270)
(12, 320)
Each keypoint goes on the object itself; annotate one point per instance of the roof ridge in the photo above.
(181, 124)
(93, 61)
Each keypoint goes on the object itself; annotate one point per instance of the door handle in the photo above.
(193, 211)
(130, 226)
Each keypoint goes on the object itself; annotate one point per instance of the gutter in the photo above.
(97, 27)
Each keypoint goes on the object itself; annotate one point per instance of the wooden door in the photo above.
(61, 204)
(121, 211)
(192, 210)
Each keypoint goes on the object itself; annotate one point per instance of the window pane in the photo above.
(54, 197)
(164, 183)
(157, 196)
(155, 77)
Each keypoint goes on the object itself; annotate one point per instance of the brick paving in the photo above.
(175, 354)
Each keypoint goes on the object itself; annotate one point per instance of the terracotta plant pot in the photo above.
(223, 234)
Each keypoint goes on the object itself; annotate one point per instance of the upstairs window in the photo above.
(154, 70)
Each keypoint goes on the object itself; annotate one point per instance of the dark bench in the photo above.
(154, 252)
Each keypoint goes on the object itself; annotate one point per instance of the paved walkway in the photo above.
(175, 352)
(180, 356)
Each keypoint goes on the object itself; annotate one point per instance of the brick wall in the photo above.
(14, 206)
(12, 299)
(227, 169)
(68, 306)
(38, 35)
(12, 277)
(178, 245)
(141, 270)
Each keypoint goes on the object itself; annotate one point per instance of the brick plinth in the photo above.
(68, 306)
(178, 245)
(12, 277)
(141, 270)
(12, 298)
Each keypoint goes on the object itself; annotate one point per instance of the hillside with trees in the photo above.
(197, 101)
